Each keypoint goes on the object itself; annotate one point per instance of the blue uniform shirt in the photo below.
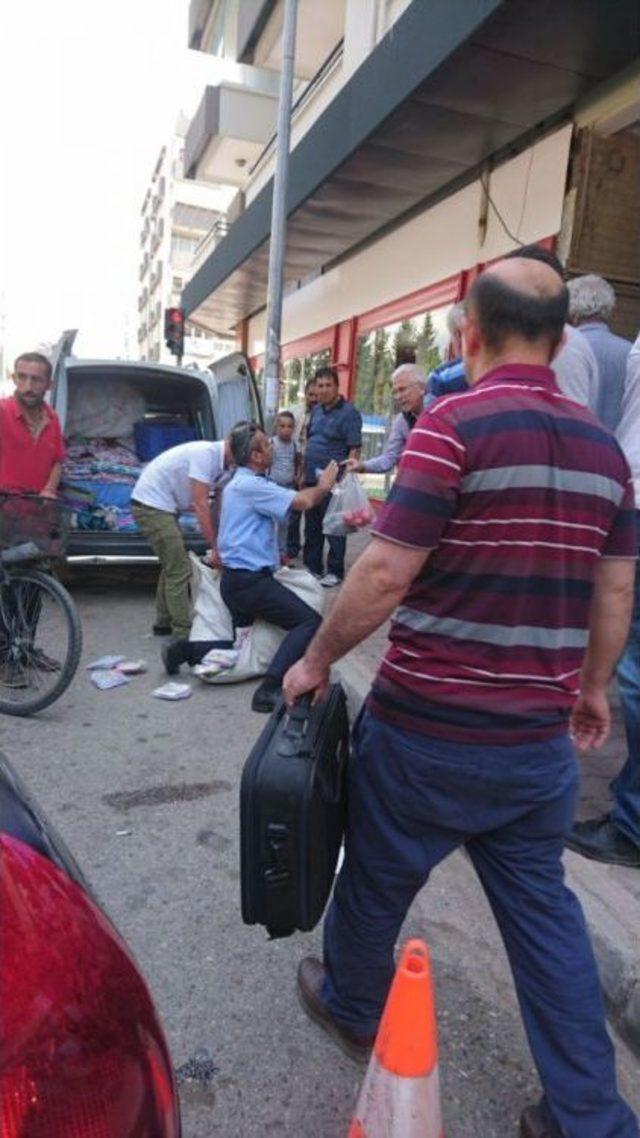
(331, 435)
(251, 507)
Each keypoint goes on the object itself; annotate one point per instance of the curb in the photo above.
(612, 912)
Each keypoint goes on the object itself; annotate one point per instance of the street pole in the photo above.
(279, 220)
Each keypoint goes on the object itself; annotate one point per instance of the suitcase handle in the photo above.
(296, 724)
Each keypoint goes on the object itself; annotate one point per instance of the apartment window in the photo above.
(180, 244)
(218, 40)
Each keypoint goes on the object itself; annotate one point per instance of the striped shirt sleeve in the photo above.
(425, 493)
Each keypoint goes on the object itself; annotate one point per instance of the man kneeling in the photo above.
(252, 505)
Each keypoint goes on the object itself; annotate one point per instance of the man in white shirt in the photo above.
(178, 480)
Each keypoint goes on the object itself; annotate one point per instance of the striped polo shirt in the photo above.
(517, 492)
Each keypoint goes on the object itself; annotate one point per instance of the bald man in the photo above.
(505, 554)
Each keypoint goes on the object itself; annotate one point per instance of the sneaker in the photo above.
(601, 840)
(310, 980)
(329, 581)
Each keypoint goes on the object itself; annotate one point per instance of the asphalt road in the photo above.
(146, 795)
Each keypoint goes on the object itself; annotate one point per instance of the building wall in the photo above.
(365, 23)
(601, 224)
(528, 191)
(170, 248)
(605, 231)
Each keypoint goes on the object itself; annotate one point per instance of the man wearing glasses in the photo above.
(409, 385)
(252, 505)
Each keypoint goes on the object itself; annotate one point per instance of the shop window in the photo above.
(378, 354)
(297, 371)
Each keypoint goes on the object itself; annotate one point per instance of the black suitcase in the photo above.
(292, 812)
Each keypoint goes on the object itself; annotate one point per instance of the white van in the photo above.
(117, 414)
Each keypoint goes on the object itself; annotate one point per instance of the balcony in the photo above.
(230, 129)
(215, 235)
(155, 278)
(157, 237)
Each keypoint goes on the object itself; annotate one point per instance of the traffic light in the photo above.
(174, 330)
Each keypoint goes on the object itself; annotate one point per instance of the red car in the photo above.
(82, 1052)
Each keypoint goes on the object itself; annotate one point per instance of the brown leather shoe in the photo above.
(310, 980)
(533, 1125)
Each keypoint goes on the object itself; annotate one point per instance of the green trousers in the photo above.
(173, 599)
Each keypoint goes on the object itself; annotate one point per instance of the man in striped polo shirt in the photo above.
(506, 549)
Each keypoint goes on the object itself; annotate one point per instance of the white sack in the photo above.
(212, 620)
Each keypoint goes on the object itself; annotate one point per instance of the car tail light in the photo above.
(82, 1054)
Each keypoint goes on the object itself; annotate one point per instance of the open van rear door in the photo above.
(59, 356)
(234, 392)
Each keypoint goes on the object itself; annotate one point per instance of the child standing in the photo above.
(285, 469)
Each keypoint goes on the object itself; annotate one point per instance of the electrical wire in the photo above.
(484, 182)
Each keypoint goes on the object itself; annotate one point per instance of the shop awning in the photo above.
(453, 84)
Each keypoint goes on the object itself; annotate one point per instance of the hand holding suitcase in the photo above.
(292, 813)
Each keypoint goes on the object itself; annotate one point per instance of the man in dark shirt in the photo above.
(507, 550)
(334, 433)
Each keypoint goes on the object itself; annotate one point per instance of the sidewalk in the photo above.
(610, 895)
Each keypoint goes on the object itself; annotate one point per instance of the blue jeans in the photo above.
(250, 595)
(626, 806)
(412, 801)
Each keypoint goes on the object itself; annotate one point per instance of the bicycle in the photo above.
(40, 630)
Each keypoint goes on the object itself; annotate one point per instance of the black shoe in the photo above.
(601, 840)
(533, 1125)
(267, 696)
(310, 980)
(173, 655)
(162, 630)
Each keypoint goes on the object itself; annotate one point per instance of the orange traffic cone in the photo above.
(400, 1096)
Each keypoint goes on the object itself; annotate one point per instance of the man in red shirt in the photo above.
(31, 444)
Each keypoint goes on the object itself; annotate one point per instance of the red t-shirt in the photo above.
(25, 461)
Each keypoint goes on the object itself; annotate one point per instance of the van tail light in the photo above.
(82, 1054)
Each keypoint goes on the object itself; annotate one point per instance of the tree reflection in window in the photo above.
(424, 338)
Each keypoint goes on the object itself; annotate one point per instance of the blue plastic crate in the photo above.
(154, 438)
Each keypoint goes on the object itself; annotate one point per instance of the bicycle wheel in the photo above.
(40, 641)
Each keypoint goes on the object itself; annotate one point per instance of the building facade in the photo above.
(427, 141)
(176, 215)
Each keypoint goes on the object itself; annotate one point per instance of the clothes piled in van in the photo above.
(99, 475)
(106, 424)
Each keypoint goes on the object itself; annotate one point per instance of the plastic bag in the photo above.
(349, 509)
